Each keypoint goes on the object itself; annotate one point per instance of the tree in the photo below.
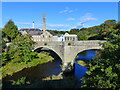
(74, 31)
(105, 71)
(3, 44)
(21, 49)
(109, 22)
(10, 30)
(83, 35)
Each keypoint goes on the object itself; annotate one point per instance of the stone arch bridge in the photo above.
(68, 50)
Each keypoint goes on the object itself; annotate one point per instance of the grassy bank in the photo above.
(11, 68)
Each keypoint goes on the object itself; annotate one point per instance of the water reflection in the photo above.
(86, 55)
(80, 71)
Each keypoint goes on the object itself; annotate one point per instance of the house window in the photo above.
(65, 38)
(73, 39)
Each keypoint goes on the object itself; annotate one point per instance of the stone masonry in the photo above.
(68, 50)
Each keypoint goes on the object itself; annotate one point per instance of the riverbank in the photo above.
(11, 68)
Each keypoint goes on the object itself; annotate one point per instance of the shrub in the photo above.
(20, 81)
(45, 43)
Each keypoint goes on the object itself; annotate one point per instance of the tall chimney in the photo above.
(33, 25)
(44, 22)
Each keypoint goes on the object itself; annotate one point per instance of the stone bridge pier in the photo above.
(68, 50)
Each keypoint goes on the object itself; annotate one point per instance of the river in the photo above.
(85, 55)
(38, 72)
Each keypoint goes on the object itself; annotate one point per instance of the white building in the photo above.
(65, 37)
(70, 37)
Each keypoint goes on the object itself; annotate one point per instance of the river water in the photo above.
(80, 71)
(38, 72)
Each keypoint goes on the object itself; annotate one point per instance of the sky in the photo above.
(60, 0)
(61, 16)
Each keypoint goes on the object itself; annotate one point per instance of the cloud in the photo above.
(84, 19)
(58, 26)
(70, 19)
(67, 10)
(87, 17)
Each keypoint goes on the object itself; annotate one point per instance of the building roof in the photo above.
(29, 29)
(70, 35)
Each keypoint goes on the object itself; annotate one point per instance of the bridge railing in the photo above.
(70, 43)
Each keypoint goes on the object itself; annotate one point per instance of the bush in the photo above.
(20, 81)
(45, 43)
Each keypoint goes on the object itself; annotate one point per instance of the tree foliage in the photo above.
(21, 49)
(105, 71)
(10, 30)
(100, 32)
(55, 32)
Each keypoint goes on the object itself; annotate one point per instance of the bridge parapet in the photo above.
(70, 43)
(49, 43)
(83, 43)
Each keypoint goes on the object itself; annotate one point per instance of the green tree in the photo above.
(83, 35)
(21, 49)
(74, 31)
(3, 45)
(105, 71)
(10, 30)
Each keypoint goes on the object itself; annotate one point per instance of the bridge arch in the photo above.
(50, 48)
(80, 51)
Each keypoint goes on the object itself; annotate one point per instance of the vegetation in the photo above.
(82, 63)
(105, 71)
(19, 54)
(10, 30)
(100, 32)
(20, 81)
(55, 32)
(10, 68)
(45, 43)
